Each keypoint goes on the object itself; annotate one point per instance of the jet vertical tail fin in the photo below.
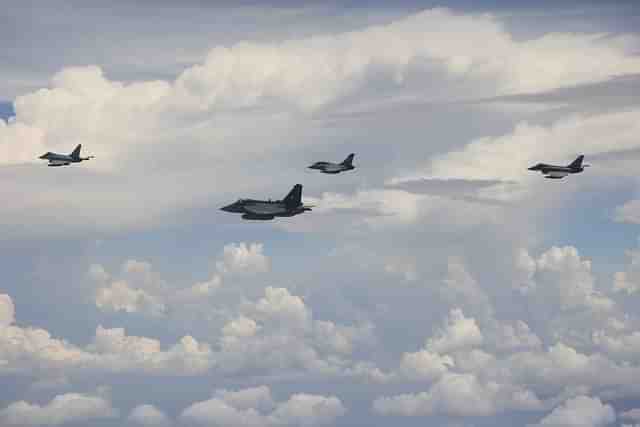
(75, 154)
(294, 198)
(349, 160)
(577, 163)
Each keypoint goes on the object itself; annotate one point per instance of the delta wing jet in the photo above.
(559, 172)
(56, 159)
(265, 210)
(333, 168)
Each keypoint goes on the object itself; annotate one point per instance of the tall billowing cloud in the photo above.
(84, 105)
(192, 118)
(334, 65)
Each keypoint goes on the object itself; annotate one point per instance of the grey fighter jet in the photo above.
(558, 172)
(56, 159)
(267, 210)
(333, 168)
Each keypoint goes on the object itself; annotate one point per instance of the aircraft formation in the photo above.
(291, 204)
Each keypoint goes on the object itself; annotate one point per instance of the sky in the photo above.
(440, 283)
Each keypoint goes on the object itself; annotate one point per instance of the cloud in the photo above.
(615, 93)
(278, 306)
(480, 367)
(338, 64)
(459, 332)
(31, 142)
(628, 281)
(514, 337)
(562, 293)
(379, 207)
(123, 123)
(248, 328)
(507, 157)
(258, 398)
(461, 288)
(619, 346)
(243, 258)
(240, 327)
(506, 323)
(481, 384)
(120, 353)
(141, 290)
(561, 366)
(246, 408)
(278, 333)
(65, 408)
(581, 411)
(457, 189)
(148, 416)
(562, 274)
(459, 395)
(34, 352)
(7, 310)
(120, 297)
(390, 208)
(308, 410)
(424, 365)
(629, 212)
(631, 415)
(334, 66)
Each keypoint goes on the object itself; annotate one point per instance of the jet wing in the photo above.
(58, 163)
(264, 209)
(332, 168)
(554, 174)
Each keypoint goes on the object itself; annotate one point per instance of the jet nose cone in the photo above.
(233, 208)
(44, 156)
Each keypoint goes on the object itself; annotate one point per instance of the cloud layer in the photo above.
(440, 283)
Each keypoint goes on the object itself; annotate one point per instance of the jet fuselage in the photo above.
(331, 168)
(557, 172)
(265, 210)
(56, 159)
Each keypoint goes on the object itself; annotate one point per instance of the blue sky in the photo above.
(440, 283)
(6, 110)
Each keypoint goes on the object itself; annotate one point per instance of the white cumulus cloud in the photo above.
(255, 408)
(581, 411)
(65, 408)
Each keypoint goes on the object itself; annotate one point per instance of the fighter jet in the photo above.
(333, 168)
(558, 172)
(267, 210)
(56, 159)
